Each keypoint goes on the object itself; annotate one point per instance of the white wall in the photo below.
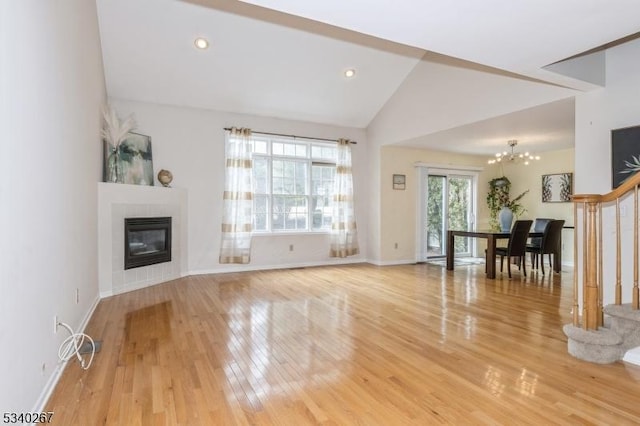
(597, 113)
(442, 93)
(190, 143)
(51, 89)
(600, 111)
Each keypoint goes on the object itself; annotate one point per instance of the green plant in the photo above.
(498, 197)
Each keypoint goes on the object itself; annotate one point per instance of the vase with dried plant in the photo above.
(114, 132)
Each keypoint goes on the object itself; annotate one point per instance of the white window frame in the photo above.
(426, 169)
(309, 161)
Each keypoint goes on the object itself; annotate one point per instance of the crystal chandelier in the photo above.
(513, 157)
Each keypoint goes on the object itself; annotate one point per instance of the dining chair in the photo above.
(539, 225)
(516, 246)
(550, 243)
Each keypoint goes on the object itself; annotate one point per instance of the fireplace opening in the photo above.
(147, 241)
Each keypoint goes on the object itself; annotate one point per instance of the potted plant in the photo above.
(498, 200)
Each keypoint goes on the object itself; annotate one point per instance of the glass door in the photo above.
(448, 203)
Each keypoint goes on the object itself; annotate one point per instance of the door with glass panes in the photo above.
(448, 204)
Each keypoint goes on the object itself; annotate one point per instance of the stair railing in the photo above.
(591, 256)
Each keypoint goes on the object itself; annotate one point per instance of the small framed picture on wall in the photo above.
(399, 181)
(557, 188)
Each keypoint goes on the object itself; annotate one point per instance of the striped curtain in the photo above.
(344, 235)
(237, 201)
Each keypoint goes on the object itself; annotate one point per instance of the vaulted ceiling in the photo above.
(286, 58)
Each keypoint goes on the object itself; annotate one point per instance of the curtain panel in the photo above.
(237, 214)
(344, 234)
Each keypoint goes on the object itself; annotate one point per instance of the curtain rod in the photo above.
(294, 136)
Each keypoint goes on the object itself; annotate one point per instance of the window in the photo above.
(293, 184)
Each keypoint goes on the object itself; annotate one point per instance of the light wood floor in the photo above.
(358, 344)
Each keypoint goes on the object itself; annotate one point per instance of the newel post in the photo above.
(591, 316)
(591, 304)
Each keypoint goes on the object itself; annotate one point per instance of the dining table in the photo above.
(492, 237)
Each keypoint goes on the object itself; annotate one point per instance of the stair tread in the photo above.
(601, 336)
(623, 311)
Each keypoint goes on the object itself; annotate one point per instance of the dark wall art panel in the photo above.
(625, 154)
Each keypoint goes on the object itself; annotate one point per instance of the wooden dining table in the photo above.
(492, 237)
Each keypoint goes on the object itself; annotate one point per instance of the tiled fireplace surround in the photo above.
(115, 203)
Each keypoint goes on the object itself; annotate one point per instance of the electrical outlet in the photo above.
(77, 295)
(395, 246)
(290, 247)
(55, 324)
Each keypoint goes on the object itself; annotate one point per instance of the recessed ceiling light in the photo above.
(350, 73)
(201, 43)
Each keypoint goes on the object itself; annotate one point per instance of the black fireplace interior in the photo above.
(147, 241)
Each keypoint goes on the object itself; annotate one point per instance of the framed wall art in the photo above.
(399, 181)
(557, 188)
(130, 162)
(625, 154)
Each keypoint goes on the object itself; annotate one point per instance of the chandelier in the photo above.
(513, 157)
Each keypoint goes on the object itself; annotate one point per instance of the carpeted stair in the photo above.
(608, 344)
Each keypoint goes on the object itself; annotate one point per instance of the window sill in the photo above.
(288, 233)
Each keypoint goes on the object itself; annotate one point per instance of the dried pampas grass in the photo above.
(115, 130)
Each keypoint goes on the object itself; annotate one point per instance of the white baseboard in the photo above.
(57, 373)
(392, 262)
(632, 356)
(249, 267)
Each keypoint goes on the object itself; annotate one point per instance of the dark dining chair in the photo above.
(516, 247)
(539, 225)
(550, 243)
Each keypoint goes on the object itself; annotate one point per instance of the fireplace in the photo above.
(147, 241)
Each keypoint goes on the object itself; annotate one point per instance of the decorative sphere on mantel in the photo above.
(165, 177)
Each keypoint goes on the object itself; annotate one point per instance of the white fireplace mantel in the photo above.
(115, 203)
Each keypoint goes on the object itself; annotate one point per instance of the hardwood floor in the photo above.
(357, 344)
